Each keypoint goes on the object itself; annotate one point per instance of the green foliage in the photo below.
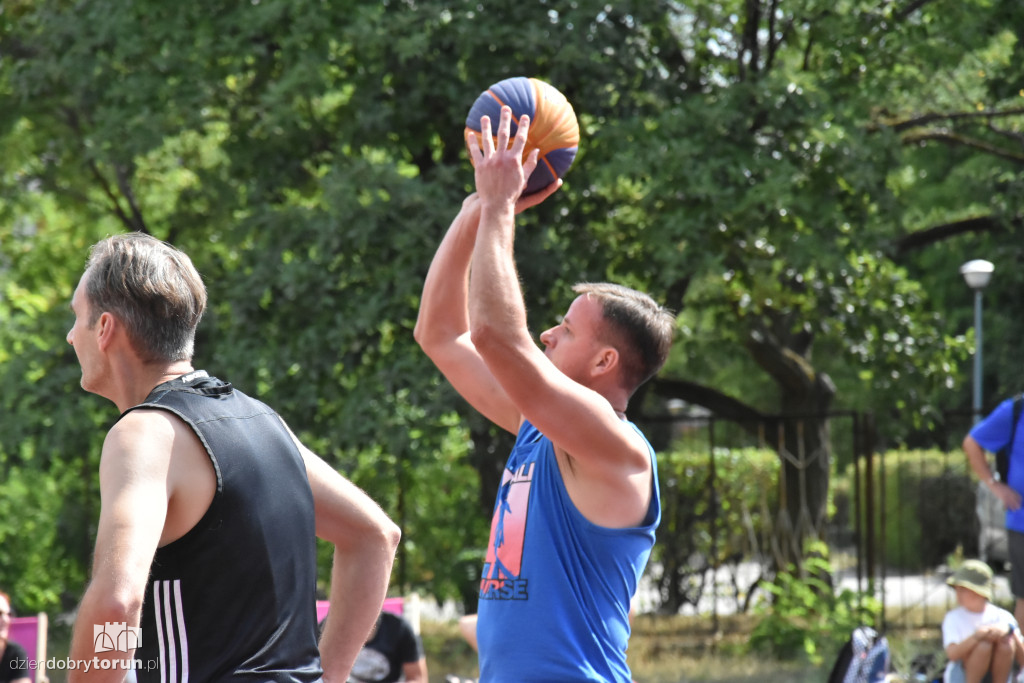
(804, 617)
(35, 536)
(757, 170)
(434, 497)
(717, 510)
(927, 502)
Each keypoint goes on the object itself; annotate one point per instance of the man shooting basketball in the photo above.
(578, 505)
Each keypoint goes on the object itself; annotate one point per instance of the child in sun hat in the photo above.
(982, 640)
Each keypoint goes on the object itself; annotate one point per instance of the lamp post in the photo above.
(977, 274)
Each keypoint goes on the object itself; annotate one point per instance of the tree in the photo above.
(773, 172)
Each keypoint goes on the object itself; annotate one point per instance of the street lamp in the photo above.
(977, 274)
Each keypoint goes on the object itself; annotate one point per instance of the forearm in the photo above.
(359, 584)
(416, 672)
(443, 313)
(99, 607)
(496, 307)
(976, 460)
(958, 652)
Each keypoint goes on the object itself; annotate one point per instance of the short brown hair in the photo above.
(638, 327)
(152, 288)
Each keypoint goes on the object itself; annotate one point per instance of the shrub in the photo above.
(716, 510)
(923, 490)
(804, 617)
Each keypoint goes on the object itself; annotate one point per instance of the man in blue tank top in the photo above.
(998, 430)
(578, 506)
(205, 560)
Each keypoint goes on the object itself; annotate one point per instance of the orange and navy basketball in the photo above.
(553, 126)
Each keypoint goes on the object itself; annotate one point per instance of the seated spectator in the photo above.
(982, 640)
(393, 652)
(14, 662)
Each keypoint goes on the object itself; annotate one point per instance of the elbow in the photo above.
(484, 337)
(392, 536)
(419, 333)
(115, 606)
(427, 337)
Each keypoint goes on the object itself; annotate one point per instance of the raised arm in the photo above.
(442, 328)
(561, 400)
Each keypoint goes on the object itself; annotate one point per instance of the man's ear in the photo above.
(607, 360)
(106, 329)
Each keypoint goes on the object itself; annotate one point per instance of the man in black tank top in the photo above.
(205, 560)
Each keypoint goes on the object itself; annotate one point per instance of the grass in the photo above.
(680, 649)
(662, 650)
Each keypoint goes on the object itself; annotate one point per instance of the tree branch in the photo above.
(720, 404)
(71, 118)
(790, 370)
(910, 9)
(923, 238)
(124, 185)
(956, 139)
(900, 125)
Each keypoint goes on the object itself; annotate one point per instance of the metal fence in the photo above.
(891, 520)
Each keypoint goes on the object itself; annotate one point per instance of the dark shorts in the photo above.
(1015, 549)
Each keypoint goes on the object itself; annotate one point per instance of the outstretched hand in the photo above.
(500, 170)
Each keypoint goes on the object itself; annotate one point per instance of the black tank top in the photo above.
(234, 598)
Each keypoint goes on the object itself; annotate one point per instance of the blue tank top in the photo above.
(556, 588)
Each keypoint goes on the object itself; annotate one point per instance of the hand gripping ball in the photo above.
(553, 126)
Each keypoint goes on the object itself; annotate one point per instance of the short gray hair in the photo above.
(152, 288)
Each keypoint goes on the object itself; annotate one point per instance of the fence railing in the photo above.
(892, 521)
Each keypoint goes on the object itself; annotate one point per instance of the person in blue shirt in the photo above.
(992, 434)
(555, 592)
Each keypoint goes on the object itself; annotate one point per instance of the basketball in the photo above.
(554, 129)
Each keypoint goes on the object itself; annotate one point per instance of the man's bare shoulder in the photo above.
(150, 437)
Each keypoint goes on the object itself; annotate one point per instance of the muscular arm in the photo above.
(365, 540)
(611, 462)
(134, 468)
(442, 328)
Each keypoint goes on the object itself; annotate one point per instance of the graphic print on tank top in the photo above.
(502, 567)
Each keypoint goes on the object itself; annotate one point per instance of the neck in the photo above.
(136, 384)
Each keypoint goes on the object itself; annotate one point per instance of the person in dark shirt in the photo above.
(14, 663)
(393, 652)
(209, 505)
